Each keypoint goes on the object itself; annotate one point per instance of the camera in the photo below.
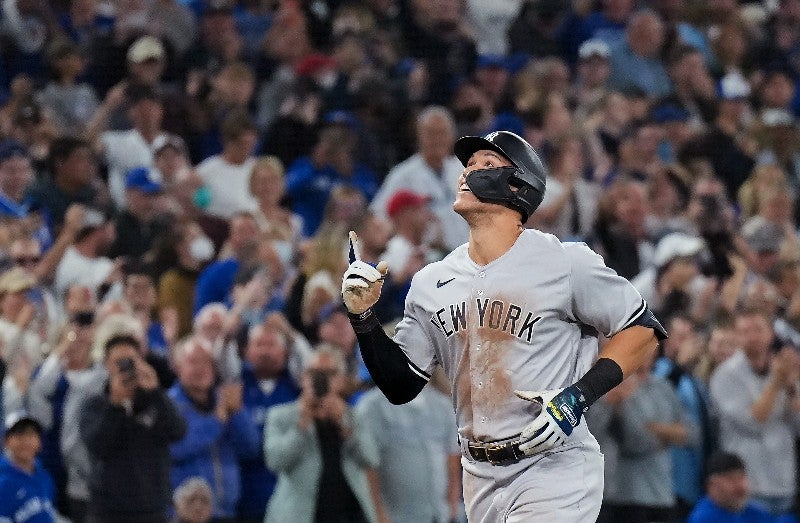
(319, 383)
(83, 318)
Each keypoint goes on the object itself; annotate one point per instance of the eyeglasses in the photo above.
(26, 260)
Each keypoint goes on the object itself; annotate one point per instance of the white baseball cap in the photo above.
(146, 48)
(677, 245)
(594, 47)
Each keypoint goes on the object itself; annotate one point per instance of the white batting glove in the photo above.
(362, 283)
(561, 412)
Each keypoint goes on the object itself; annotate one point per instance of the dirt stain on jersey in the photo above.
(491, 381)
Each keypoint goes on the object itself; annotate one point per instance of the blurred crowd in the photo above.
(178, 178)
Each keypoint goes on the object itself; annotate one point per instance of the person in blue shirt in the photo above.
(727, 492)
(27, 492)
(266, 382)
(220, 431)
(215, 282)
(332, 163)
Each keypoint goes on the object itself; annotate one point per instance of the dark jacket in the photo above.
(130, 452)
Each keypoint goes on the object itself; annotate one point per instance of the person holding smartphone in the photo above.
(319, 451)
(127, 429)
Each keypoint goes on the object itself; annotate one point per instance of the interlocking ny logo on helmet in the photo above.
(494, 185)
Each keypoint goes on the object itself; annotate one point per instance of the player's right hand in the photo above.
(362, 283)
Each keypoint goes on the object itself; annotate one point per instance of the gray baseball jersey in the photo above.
(526, 321)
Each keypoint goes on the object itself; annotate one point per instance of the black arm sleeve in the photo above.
(385, 360)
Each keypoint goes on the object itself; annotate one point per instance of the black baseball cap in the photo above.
(722, 462)
(18, 421)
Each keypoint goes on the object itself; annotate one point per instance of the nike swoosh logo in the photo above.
(440, 283)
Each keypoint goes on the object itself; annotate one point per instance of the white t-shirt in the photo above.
(75, 268)
(125, 150)
(229, 185)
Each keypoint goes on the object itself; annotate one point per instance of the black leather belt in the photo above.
(496, 453)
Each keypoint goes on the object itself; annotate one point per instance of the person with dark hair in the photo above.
(727, 495)
(128, 428)
(227, 175)
(26, 489)
(72, 179)
(142, 219)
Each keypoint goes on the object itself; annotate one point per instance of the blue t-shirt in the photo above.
(706, 511)
(25, 497)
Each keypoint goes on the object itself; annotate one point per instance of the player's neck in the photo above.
(488, 241)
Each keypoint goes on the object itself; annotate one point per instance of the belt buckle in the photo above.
(493, 448)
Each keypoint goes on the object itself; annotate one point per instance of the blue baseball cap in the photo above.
(139, 178)
(667, 113)
(10, 148)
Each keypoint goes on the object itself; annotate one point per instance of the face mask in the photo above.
(201, 249)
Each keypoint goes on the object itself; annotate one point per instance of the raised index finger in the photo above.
(354, 253)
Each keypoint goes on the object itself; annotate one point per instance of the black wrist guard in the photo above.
(604, 375)
(364, 322)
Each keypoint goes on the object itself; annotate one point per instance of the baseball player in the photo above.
(513, 317)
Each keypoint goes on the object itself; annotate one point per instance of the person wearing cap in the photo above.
(756, 395)
(20, 338)
(765, 239)
(780, 144)
(432, 171)
(147, 60)
(183, 188)
(139, 223)
(26, 489)
(722, 143)
(673, 278)
(68, 102)
(132, 147)
(594, 71)
(727, 495)
(409, 249)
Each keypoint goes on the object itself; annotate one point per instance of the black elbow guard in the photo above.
(648, 319)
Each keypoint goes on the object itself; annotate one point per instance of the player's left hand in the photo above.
(561, 412)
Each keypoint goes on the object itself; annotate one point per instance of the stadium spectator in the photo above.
(132, 147)
(72, 179)
(194, 501)
(26, 489)
(227, 175)
(266, 382)
(127, 429)
(319, 451)
(142, 218)
(220, 432)
(51, 383)
(415, 485)
(754, 393)
(727, 494)
(331, 163)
